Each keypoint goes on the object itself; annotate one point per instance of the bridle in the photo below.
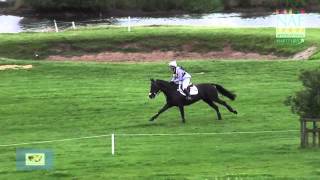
(154, 94)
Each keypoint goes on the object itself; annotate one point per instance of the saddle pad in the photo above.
(193, 90)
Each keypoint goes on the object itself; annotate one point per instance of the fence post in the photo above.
(112, 144)
(302, 132)
(318, 138)
(56, 26)
(305, 132)
(73, 25)
(129, 24)
(314, 133)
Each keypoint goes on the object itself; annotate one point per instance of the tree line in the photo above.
(189, 6)
(192, 6)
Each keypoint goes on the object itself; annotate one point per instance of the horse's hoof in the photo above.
(151, 120)
(235, 112)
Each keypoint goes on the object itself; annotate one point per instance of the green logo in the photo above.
(290, 28)
(34, 159)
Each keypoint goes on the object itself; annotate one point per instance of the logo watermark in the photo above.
(290, 28)
(34, 159)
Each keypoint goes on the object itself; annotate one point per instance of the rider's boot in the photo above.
(187, 92)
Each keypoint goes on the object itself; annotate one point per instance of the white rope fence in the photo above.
(199, 134)
(52, 141)
(132, 135)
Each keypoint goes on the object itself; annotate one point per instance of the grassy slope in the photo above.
(84, 41)
(63, 100)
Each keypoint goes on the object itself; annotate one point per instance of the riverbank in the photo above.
(108, 44)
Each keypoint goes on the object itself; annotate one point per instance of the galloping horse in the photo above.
(206, 92)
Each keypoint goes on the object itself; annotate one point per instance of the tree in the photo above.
(306, 103)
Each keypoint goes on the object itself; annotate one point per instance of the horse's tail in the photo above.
(225, 92)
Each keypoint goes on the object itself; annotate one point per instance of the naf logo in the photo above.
(290, 27)
(34, 159)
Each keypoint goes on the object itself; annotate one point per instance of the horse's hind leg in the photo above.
(226, 105)
(215, 107)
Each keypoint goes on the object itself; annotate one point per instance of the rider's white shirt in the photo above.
(180, 75)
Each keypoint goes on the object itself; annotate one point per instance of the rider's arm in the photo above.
(180, 74)
(173, 78)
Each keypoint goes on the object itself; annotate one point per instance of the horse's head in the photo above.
(154, 89)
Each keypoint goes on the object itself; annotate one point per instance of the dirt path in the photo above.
(306, 54)
(227, 53)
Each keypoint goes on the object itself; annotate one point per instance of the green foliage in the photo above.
(192, 6)
(201, 5)
(316, 56)
(70, 4)
(306, 103)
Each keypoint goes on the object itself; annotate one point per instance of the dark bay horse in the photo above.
(206, 92)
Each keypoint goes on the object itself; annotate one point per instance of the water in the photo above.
(221, 20)
(10, 24)
(14, 24)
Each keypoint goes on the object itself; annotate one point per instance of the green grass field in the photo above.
(65, 100)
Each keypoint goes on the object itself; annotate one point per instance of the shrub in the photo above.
(306, 103)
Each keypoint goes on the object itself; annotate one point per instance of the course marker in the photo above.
(129, 24)
(56, 26)
(112, 144)
(73, 25)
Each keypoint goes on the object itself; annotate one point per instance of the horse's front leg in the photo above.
(181, 108)
(163, 109)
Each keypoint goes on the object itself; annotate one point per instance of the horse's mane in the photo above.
(166, 83)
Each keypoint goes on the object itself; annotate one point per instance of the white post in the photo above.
(112, 144)
(73, 25)
(129, 24)
(56, 26)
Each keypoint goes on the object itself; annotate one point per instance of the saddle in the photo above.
(193, 90)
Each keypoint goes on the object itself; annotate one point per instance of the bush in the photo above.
(306, 103)
(316, 56)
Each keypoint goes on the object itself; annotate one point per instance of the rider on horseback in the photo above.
(181, 77)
